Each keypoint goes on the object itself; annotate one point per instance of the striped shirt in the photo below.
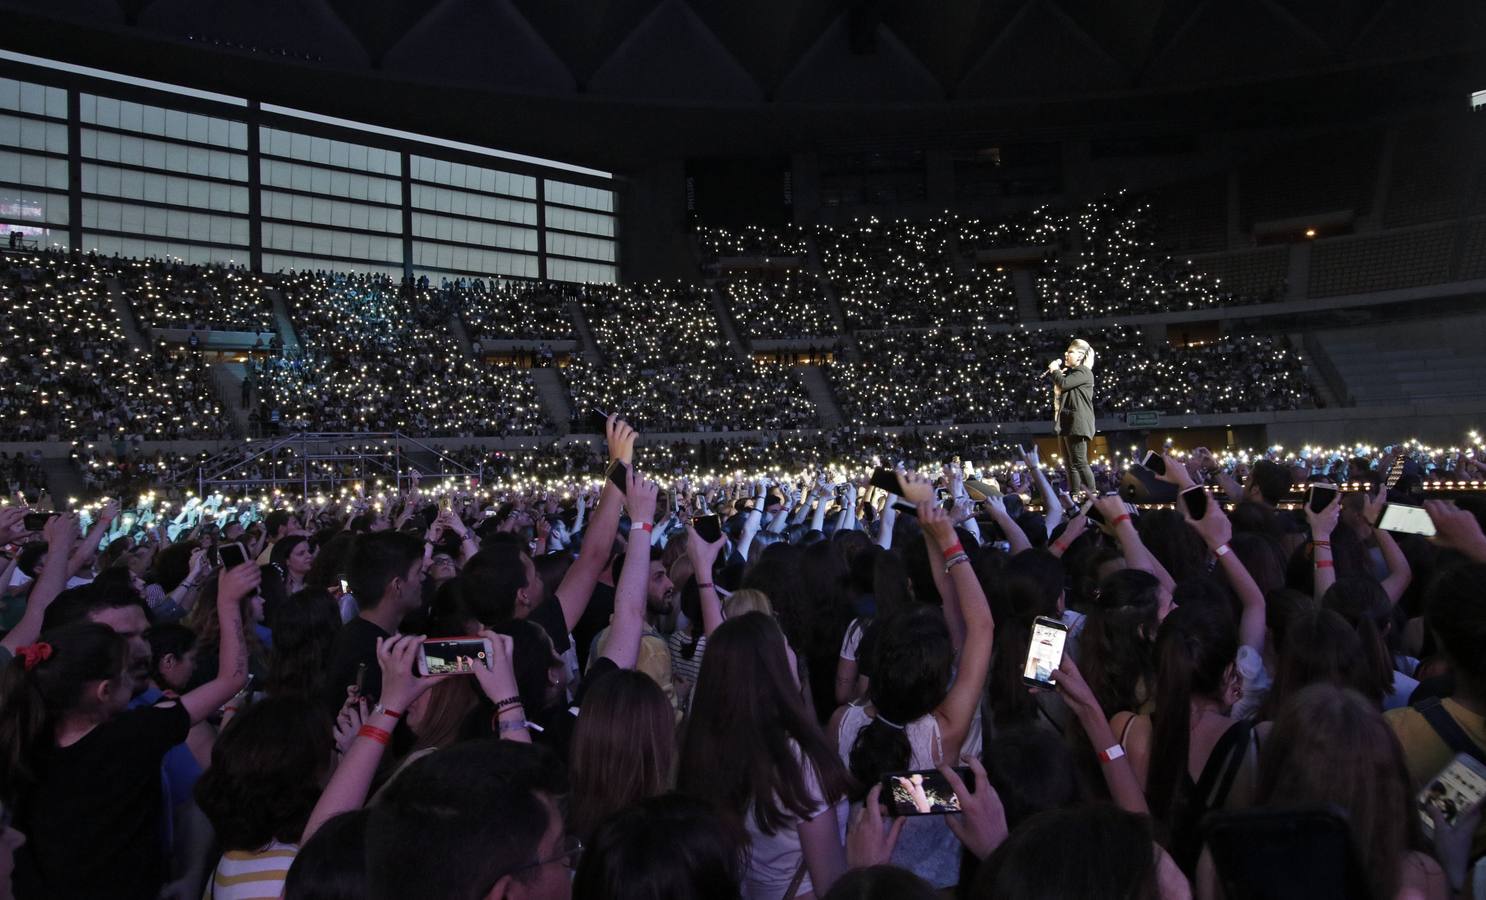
(252, 875)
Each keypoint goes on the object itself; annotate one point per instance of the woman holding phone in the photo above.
(1073, 411)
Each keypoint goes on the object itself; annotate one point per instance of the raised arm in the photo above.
(1117, 522)
(1217, 531)
(957, 709)
(886, 523)
(1456, 529)
(353, 777)
(1053, 507)
(1017, 538)
(1323, 523)
(577, 586)
(234, 585)
(1124, 787)
(623, 644)
(1399, 571)
(703, 559)
(61, 535)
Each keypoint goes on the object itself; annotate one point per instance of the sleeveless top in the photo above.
(927, 847)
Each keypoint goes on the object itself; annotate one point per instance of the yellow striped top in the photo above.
(252, 875)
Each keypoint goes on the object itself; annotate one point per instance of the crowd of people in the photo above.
(377, 355)
(667, 364)
(772, 304)
(813, 684)
(513, 311)
(173, 294)
(69, 371)
(959, 377)
(752, 242)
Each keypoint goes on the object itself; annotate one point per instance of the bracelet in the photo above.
(1060, 547)
(379, 708)
(508, 727)
(376, 734)
(507, 703)
(1222, 550)
(643, 526)
(1122, 517)
(704, 587)
(1110, 754)
(949, 552)
(1326, 544)
(955, 561)
(1325, 564)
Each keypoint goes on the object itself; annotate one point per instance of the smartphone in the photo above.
(923, 792)
(35, 521)
(345, 586)
(453, 656)
(1155, 462)
(886, 480)
(1091, 512)
(1406, 519)
(1319, 495)
(708, 528)
(360, 678)
(618, 475)
(232, 555)
(1195, 498)
(1045, 653)
(1285, 854)
(1456, 791)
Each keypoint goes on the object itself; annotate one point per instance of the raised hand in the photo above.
(936, 524)
(621, 439)
(869, 840)
(1456, 529)
(981, 824)
(640, 496)
(401, 685)
(238, 582)
(1176, 473)
(1323, 523)
(1214, 525)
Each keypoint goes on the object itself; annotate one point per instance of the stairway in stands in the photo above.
(228, 377)
(826, 407)
(554, 397)
(282, 320)
(125, 314)
(1026, 296)
(727, 324)
(1409, 362)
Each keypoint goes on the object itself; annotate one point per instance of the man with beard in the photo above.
(660, 602)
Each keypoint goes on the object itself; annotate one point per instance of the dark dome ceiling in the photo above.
(751, 56)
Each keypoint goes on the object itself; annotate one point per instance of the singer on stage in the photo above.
(1073, 411)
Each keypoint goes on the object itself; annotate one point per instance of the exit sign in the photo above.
(1143, 419)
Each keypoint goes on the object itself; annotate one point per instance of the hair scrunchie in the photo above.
(32, 655)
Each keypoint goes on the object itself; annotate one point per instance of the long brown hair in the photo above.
(751, 738)
(1194, 648)
(624, 748)
(1332, 746)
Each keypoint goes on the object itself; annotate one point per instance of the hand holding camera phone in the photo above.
(231, 555)
(453, 656)
(1319, 495)
(1045, 652)
(924, 792)
(1455, 792)
(1405, 519)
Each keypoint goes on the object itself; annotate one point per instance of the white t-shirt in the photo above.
(774, 858)
(853, 640)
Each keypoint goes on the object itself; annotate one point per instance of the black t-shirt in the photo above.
(549, 615)
(355, 643)
(92, 824)
(595, 618)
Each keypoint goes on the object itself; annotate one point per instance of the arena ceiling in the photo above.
(654, 74)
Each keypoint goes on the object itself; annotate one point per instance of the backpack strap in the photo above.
(1434, 712)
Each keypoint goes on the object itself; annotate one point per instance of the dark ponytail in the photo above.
(1365, 605)
(912, 663)
(1194, 647)
(1116, 651)
(1034, 582)
(32, 700)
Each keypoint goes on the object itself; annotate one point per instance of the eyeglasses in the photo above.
(571, 852)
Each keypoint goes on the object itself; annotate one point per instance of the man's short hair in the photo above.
(378, 559)
(1272, 480)
(453, 824)
(276, 521)
(80, 603)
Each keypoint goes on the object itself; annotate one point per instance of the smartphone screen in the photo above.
(1319, 496)
(452, 656)
(232, 555)
(1195, 499)
(709, 528)
(1091, 512)
(1155, 462)
(1045, 653)
(1457, 790)
(923, 793)
(1406, 519)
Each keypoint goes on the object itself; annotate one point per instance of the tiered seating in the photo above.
(1379, 262)
(169, 294)
(513, 310)
(667, 366)
(777, 305)
(379, 358)
(957, 378)
(752, 242)
(68, 372)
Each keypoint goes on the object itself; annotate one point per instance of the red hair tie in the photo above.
(33, 654)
